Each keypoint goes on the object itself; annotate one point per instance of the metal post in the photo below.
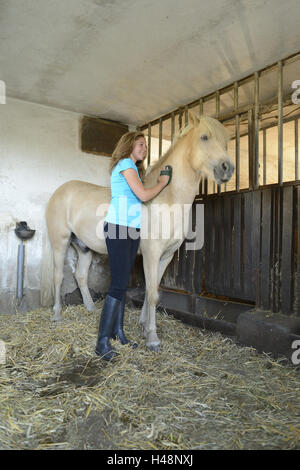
(256, 130)
(265, 156)
(237, 137)
(296, 150)
(201, 106)
(250, 147)
(20, 271)
(186, 115)
(149, 145)
(280, 124)
(217, 117)
(172, 126)
(160, 139)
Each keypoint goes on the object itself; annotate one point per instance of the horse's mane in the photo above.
(214, 127)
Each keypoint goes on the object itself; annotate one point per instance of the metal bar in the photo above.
(248, 78)
(217, 117)
(180, 118)
(160, 139)
(296, 150)
(280, 123)
(264, 156)
(20, 271)
(250, 147)
(172, 126)
(267, 107)
(237, 137)
(186, 115)
(201, 106)
(149, 145)
(256, 130)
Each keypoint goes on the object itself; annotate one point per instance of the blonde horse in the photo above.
(77, 209)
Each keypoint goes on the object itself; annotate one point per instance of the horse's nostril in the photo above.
(224, 166)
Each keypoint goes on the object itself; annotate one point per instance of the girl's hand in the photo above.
(164, 179)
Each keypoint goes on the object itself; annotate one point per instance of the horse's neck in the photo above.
(185, 183)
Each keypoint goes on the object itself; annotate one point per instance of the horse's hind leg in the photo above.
(59, 253)
(81, 275)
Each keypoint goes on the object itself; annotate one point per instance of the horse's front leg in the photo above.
(153, 273)
(150, 262)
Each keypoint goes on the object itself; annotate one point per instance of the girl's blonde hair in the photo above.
(123, 150)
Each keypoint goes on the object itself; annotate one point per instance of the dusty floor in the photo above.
(202, 391)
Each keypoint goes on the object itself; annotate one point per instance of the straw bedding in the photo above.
(202, 391)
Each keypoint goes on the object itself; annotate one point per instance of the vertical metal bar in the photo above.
(201, 186)
(256, 130)
(172, 126)
(296, 150)
(186, 115)
(280, 123)
(217, 104)
(160, 139)
(237, 137)
(149, 145)
(217, 117)
(201, 106)
(265, 156)
(20, 271)
(180, 118)
(250, 147)
(205, 186)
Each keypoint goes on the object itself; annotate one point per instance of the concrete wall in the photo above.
(39, 150)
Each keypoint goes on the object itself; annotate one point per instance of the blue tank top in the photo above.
(125, 207)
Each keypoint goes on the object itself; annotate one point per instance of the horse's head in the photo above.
(209, 156)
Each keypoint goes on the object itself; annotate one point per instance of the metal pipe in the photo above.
(265, 156)
(296, 150)
(280, 125)
(256, 130)
(201, 106)
(149, 145)
(172, 126)
(20, 271)
(160, 139)
(237, 137)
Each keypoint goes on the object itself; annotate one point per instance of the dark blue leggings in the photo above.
(122, 246)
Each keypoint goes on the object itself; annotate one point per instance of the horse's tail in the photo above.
(47, 286)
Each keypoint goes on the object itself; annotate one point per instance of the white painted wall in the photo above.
(39, 150)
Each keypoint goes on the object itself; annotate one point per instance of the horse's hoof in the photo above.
(57, 318)
(153, 347)
(91, 308)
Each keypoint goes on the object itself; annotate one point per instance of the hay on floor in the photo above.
(202, 391)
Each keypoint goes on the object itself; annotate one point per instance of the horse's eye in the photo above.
(204, 137)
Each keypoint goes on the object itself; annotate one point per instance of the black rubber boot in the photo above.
(118, 331)
(108, 318)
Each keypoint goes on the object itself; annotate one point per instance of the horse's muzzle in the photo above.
(223, 171)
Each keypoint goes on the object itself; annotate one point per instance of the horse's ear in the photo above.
(193, 119)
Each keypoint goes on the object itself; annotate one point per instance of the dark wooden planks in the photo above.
(249, 291)
(265, 285)
(297, 202)
(237, 270)
(287, 250)
(228, 257)
(255, 243)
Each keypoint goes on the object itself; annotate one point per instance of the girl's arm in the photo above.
(144, 194)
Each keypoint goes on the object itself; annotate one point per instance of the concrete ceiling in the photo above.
(134, 60)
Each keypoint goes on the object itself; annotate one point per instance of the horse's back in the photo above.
(75, 197)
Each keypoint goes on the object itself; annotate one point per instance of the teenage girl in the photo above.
(122, 232)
